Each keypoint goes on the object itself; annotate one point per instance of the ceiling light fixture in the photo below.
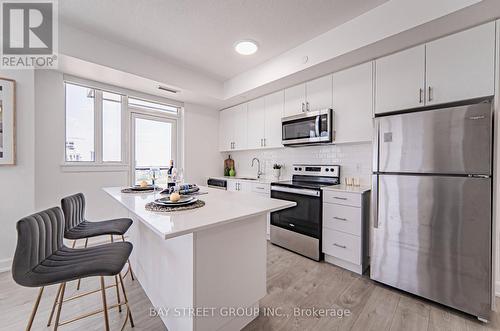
(246, 47)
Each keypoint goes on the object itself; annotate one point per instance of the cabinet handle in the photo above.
(340, 218)
(292, 225)
(340, 198)
(420, 95)
(430, 93)
(303, 107)
(265, 142)
(307, 106)
(341, 246)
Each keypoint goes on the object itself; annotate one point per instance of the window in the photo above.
(111, 127)
(80, 143)
(105, 128)
(93, 125)
(149, 105)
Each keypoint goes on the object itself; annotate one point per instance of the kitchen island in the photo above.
(202, 269)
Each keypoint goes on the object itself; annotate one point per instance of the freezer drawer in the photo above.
(455, 140)
(432, 237)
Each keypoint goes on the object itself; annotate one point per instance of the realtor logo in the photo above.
(29, 34)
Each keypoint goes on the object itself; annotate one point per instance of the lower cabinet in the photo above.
(263, 189)
(345, 228)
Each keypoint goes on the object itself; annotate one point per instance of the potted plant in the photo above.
(277, 171)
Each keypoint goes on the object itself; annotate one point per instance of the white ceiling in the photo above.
(199, 34)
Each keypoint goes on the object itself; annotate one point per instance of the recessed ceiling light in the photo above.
(246, 47)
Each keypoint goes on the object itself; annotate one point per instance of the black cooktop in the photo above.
(310, 182)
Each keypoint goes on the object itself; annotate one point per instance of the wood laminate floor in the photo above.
(294, 282)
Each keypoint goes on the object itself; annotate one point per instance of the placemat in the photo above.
(129, 190)
(151, 206)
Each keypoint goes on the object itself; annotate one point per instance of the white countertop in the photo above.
(221, 207)
(255, 180)
(345, 188)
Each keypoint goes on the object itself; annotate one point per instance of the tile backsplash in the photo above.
(354, 160)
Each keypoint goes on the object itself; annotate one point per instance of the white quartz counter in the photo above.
(348, 189)
(221, 207)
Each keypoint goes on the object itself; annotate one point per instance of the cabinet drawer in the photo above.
(343, 198)
(342, 218)
(261, 188)
(342, 245)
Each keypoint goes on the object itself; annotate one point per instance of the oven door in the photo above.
(310, 127)
(305, 218)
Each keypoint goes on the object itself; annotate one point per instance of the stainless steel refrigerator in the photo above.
(432, 205)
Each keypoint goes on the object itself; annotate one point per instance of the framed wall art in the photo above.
(7, 121)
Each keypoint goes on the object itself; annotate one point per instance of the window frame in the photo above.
(126, 163)
(141, 113)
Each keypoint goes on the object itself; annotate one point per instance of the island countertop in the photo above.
(221, 207)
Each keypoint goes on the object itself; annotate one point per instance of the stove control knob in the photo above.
(331, 169)
(295, 168)
(300, 169)
(327, 170)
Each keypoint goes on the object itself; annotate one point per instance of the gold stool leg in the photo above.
(116, 284)
(54, 304)
(104, 304)
(128, 261)
(126, 301)
(59, 307)
(79, 280)
(35, 308)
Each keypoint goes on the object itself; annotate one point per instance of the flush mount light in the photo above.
(246, 47)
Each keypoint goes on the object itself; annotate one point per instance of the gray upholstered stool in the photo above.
(42, 259)
(77, 227)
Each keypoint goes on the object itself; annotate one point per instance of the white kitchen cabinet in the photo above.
(353, 103)
(240, 127)
(319, 93)
(226, 129)
(295, 100)
(235, 185)
(345, 228)
(233, 128)
(274, 112)
(256, 123)
(400, 80)
(461, 66)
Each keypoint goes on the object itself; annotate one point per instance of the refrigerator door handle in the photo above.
(374, 202)
(376, 129)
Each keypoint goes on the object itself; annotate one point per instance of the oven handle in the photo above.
(301, 191)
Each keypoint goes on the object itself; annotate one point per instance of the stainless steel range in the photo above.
(299, 228)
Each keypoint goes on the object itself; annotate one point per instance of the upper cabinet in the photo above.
(319, 93)
(274, 113)
(256, 120)
(295, 100)
(313, 95)
(457, 67)
(353, 103)
(461, 66)
(400, 80)
(233, 128)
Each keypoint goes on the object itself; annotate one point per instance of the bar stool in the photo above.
(42, 259)
(77, 227)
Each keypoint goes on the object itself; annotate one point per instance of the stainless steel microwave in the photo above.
(312, 127)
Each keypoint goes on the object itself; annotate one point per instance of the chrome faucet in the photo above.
(259, 173)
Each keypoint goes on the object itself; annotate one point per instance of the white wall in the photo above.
(354, 159)
(17, 193)
(201, 145)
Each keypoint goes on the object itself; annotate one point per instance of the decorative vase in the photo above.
(232, 172)
(276, 174)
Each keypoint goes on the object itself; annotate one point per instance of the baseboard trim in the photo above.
(6, 264)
